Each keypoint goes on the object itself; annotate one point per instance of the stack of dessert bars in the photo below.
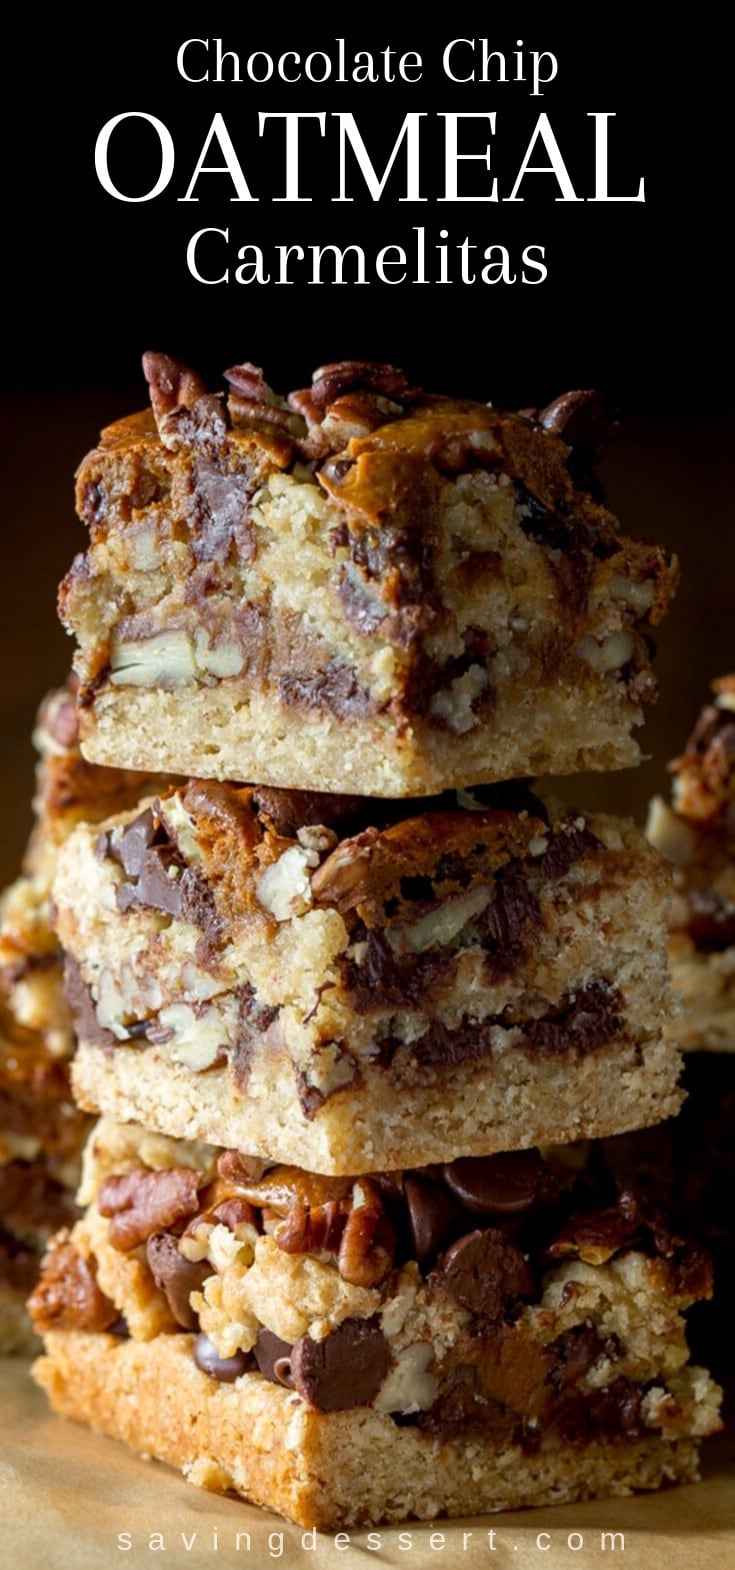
(361, 1030)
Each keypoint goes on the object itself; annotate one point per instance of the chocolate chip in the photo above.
(368, 614)
(432, 1217)
(485, 1272)
(495, 1185)
(225, 1369)
(581, 1021)
(120, 1328)
(138, 1028)
(159, 1035)
(572, 536)
(157, 876)
(509, 796)
(273, 1357)
(198, 903)
(254, 1019)
(613, 1410)
(574, 1354)
(346, 1369)
(311, 1098)
(176, 1277)
(460, 1403)
(438, 1045)
(338, 469)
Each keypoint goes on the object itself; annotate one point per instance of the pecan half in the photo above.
(141, 1202)
(284, 1187)
(305, 1230)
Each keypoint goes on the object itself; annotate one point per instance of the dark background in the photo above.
(637, 299)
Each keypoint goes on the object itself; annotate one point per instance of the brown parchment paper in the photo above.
(70, 1500)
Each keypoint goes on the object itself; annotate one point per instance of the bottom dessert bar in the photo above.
(330, 1470)
(493, 1332)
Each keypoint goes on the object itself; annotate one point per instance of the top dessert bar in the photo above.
(366, 588)
(697, 833)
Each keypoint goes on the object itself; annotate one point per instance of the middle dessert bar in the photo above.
(334, 982)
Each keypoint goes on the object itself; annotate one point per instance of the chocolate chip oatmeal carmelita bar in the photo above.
(697, 833)
(485, 1334)
(368, 588)
(41, 1131)
(342, 983)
